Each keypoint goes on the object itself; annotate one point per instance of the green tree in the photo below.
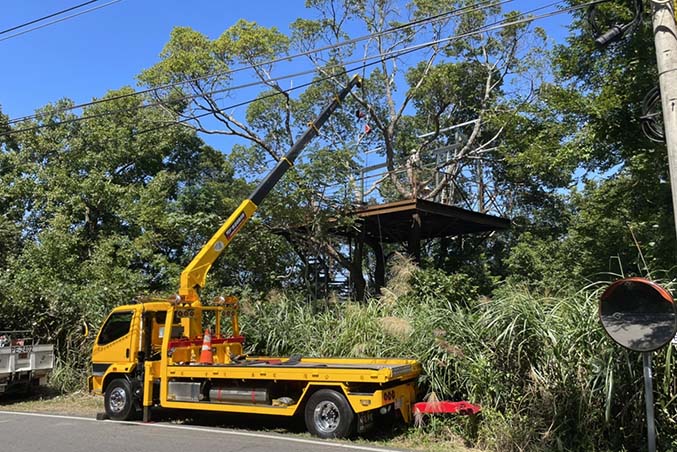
(410, 101)
(591, 147)
(104, 210)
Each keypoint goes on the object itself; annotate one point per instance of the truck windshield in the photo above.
(115, 327)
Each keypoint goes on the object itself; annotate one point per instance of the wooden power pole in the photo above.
(665, 38)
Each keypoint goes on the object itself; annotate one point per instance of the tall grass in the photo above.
(543, 370)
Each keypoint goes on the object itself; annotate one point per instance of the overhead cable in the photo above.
(49, 16)
(452, 13)
(383, 56)
(617, 31)
(59, 20)
(391, 55)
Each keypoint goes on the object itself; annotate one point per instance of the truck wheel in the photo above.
(118, 401)
(329, 415)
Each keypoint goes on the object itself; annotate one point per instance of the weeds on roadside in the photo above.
(541, 367)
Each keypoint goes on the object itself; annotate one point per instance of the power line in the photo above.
(386, 55)
(383, 56)
(452, 13)
(389, 55)
(58, 20)
(58, 13)
(493, 27)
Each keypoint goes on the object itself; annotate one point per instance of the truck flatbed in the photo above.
(325, 369)
(396, 369)
(367, 383)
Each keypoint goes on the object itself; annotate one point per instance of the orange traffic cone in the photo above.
(206, 353)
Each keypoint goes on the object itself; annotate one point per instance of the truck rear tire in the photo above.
(119, 400)
(329, 415)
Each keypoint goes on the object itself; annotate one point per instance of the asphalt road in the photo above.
(33, 432)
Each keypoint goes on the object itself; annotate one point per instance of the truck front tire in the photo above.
(119, 400)
(329, 415)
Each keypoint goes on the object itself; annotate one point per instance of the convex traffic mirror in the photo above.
(638, 314)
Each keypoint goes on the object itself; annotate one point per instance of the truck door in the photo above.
(115, 342)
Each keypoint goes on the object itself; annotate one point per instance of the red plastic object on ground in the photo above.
(443, 406)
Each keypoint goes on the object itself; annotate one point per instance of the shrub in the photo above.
(541, 367)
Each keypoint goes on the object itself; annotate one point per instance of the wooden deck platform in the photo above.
(396, 221)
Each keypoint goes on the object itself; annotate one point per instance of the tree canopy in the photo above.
(459, 112)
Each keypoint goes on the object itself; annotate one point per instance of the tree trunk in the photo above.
(414, 243)
(356, 274)
(379, 265)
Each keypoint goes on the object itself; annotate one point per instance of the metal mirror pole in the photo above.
(640, 315)
(648, 398)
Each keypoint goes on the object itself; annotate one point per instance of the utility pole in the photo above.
(665, 39)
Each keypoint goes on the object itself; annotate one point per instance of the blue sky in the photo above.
(86, 56)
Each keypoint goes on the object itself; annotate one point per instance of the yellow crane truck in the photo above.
(154, 353)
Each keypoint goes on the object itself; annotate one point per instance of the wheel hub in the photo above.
(117, 400)
(326, 416)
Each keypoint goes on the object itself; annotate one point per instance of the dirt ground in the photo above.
(44, 401)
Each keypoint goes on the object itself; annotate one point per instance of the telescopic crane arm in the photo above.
(194, 275)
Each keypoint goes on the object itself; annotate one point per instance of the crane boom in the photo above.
(194, 275)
